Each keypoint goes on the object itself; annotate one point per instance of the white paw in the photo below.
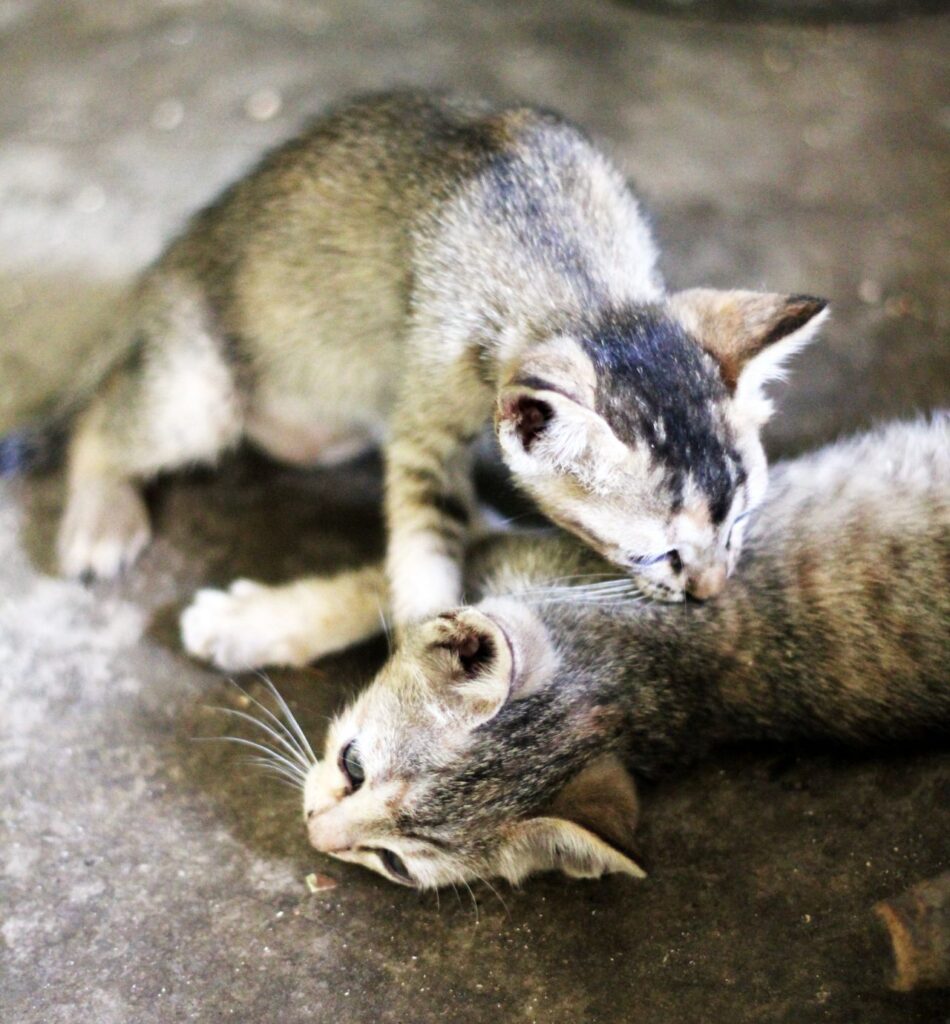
(104, 529)
(244, 627)
(423, 584)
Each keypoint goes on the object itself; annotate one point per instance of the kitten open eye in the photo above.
(352, 766)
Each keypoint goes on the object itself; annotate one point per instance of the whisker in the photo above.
(269, 751)
(273, 718)
(289, 715)
(291, 749)
(495, 892)
(274, 772)
(386, 630)
(474, 901)
(264, 762)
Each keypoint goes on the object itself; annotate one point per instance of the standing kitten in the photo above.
(408, 268)
(499, 738)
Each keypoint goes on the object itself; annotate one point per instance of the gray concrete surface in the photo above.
(148, 877)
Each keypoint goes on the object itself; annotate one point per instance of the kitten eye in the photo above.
(671, 557)
(394, 864)
(352, 766)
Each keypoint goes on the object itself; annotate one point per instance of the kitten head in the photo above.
(442, 770)
(641, 433)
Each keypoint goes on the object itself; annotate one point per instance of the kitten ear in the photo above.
(553, 844)
(588, 831)
(539, 421)
(523, 414)
(603, 799)
(483, 676)
(482, 689)
(750, 334)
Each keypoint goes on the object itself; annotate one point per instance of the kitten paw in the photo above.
(244, 627)
(104, 529)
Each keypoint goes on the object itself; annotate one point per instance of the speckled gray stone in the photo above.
(147, 876)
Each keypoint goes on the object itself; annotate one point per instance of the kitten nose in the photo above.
(329, 832)
(706, 583)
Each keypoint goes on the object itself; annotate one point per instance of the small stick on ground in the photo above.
(918, 927)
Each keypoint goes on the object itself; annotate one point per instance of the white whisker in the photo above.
(269, 751)
(291, 738)
(474, 901)
(495, 892)
(291, 749)
(385, 626)
(289, 715)
(276, 772)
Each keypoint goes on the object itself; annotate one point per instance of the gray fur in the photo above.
(837, 626)
(384, 278)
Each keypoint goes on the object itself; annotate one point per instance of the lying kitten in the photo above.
(408, 268)
(500, 737)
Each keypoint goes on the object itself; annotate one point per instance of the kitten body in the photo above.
(408, 269)
(500, 737)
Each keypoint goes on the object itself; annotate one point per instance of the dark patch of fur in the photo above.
(657, 387)
(801, 309)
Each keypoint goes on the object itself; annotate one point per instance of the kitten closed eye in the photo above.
(395, 865)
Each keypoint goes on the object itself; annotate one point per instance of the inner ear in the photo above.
(545, 844)
(737, 326)
(528, 415)
(474, 647)
(603, 799)
(475, 651)
(481, 687)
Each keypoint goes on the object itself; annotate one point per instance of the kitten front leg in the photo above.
(250, 625)
(429, 511)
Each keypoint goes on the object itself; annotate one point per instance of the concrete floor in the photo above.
(146, 876)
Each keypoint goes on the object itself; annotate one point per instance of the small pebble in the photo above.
(168, 115)
(320, 883)
(181, 35)
(901, 306)
(870, 291)
(263, 104)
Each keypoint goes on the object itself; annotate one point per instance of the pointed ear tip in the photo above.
(811, 304)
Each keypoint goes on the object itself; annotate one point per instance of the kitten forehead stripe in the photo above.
(657, 386)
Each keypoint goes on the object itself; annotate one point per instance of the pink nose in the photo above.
(328, 832)
(707, 583)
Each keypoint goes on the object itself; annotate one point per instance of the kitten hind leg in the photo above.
(250, 625)
(173, 402)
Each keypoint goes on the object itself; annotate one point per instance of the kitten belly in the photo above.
(295, 432)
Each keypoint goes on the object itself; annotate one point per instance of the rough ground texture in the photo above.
(149, 877)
